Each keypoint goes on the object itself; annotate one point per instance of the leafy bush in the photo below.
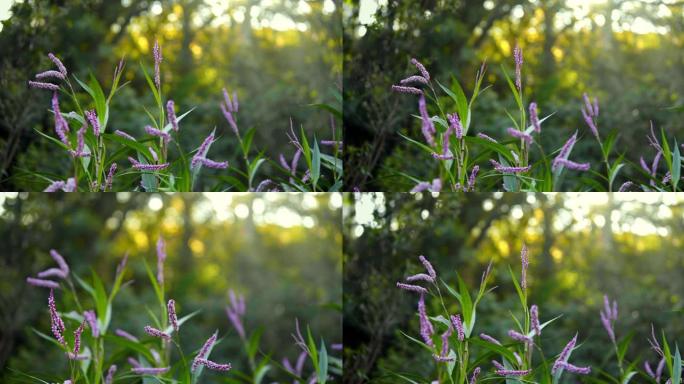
(460, 355)
(516, 167)
(99, 355)
(157, 162)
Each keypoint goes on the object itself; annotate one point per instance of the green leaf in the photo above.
(315, 164)
(261, 373)
(153, 87)
(329, 108)
(155, 284)
(100, 101)
(677, 366)
(628, 377)
(420, 145)
(52, 139)
(253, 343)
(254, 167)
(247, 140)
(101, 302)
(521, 296)
(623, 345)
(323, 364)
(466, 306)
(676, 169)
(461, 101)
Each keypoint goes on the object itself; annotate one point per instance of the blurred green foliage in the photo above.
(282, 251)
(280, 57)
(581, 246)
(628, 53)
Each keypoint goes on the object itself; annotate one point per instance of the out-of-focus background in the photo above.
(279, 55)
(281, 251)
(628, 53)
(581, 246)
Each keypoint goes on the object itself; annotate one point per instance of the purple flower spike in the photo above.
(519, 337)
(565, 151)
(110, 177)
(420, 277)
(173, 319)
(471, 179)
(395, 88)
(171, 115)
(228, 115)
(58, 63)
(161, 257)
(483, 136)
(511, 372)
(80, 144)
(504, 169)
(414, 79)
(52, 272)
(56, 322)
(157, 132)
(455, 125)
(60, 261)
(520, 135)
(490, 339)
(91, 318)
(426, 329)
(534, 118)
(518, 57)
(214, 366)
(563, 357)
(525, 261)
(412, 288)
(626, 186)
(146, 167)
(42, 283)
(110, 374)
(150, 371)
(428, 127)
(55, 186)
(77, 344)
(61, 125)
(445, 344)
(572, 165)
(428, 267)
(421, 69)
(458, 324)
(156, 333)
(126, 335)
(473, 378)
(203, 352)
(156, 52)
(124, 135)
(574, 369)
(50, 75)
(202, 150)
(41, 85)
(94, 122)
(609, 316)
(214, 164)
(420, 187)
(534, 318)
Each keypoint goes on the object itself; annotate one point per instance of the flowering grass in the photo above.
(461, 356)
(95, 354)
(518, 162)
(108, 159)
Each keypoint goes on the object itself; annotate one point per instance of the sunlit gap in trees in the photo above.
(585, 13)
(579, 213)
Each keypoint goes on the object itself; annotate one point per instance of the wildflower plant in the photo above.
(460, 352)
(93, 353)
(106, 159)
(517, 162)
